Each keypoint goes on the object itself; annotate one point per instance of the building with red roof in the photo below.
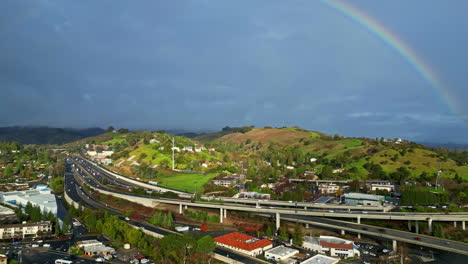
(244, 243)
(335, 246)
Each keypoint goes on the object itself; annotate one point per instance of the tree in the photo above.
(298, 235)
(123, 130)
(206, 245)
(327, 172)
(110, 129)
(283, 234)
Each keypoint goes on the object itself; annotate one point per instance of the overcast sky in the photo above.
(204, 64)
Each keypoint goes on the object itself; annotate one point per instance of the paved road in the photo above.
(299, 208)
(79, 195)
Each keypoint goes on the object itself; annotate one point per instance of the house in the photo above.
(25, 230)
(375, 185)
(226, 181)
(280, 253)
(321, 259)
(154, 141)
(175, 148)
(199, 149)
(334, 246)
(338, 171)
(187, 148)
(243, 243)
(328, 188)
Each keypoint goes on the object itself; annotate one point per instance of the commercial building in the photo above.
(362, 199)
(244, 243)
(280, 253)
(94, 247)
(321, 259)
(20, 231)
(331, 245)
(41, 196)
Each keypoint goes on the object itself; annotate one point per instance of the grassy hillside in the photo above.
(351, 153)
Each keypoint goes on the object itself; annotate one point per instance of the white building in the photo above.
(321, 259)
(328, 188)
(24, 230)
(335, 246)
(362, 199)
(93, 247)
(38, 197)
(280, 253)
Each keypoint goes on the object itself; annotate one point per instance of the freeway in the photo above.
(430, 217)
(79, 194)
(387, 233)
(303, 216)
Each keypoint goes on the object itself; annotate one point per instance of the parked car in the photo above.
(34, 245)
(46, 245)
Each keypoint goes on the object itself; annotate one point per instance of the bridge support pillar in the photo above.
(359, 219)
(429, 222)
(455, 224)
(185, 207)
(343, 232)
(225, 213)
(409, 225)
(417, 227)
(180, 208)
(394, 245)
(307, 225)
(305, 207)
(359, 235)
(463, 225)
(221, 215)
(278, 221)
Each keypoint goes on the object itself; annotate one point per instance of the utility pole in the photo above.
(173, 146)
(438, 174)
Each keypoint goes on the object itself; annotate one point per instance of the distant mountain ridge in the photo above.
(448, 145)
(46, 135)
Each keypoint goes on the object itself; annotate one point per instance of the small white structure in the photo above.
(320, 259)
(328, 188)
(154, 141)
(280, 253)
(182, 228)
(335, 246)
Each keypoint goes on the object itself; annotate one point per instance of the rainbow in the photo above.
(398, 45)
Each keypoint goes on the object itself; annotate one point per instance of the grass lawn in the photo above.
(185, 182)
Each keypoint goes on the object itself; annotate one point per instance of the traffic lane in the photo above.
(392, 232)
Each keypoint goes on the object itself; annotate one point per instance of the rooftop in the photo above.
(282, 251)
(98, 248)
(363, 196)
(320, 259)
(242, 241)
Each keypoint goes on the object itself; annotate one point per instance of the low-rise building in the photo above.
(226, 181)
(362, 199)
(321, 259)
(328, 188)
(20, 231)
(334, 246)
(244, 243)
(3, 259)
(94, 247)
(41, 197)
(280, 253)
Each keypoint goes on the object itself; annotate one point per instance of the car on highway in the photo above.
(447, 213)
(364, 212)
(381, 230)
(417, 238)
(446, 243)
(364, 228)
(331, 211)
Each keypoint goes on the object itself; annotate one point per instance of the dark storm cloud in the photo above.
(206, 64)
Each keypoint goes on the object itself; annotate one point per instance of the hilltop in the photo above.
(45, 135)
(266, 154)
(358, 157)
